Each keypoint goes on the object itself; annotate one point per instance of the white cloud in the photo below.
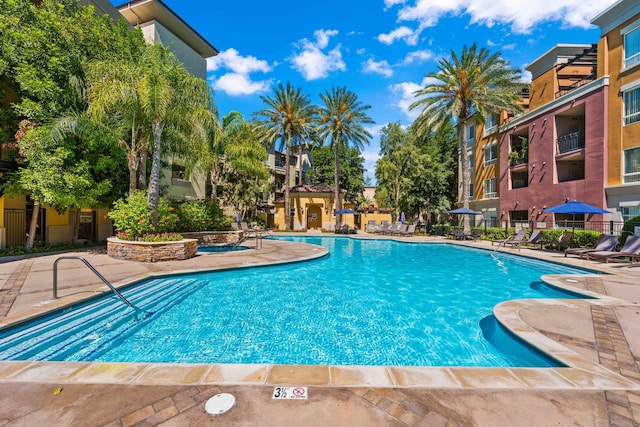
(232, 60)
(520, 15)
(405, 94)
(418, 56)
(490, 43)
(389, 3)
(237, 81)
(380, 67)
(312, 62)
(401, 33)
(236, 84)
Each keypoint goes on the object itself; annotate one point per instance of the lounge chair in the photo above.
(384, 228)
(519, 237)
(342, 229)
(458, 234)
(532, 240)
(630, 249)
(392, 229)
(474, 235)
(410, 231)
(563, 241)
(234, 225)
(606, 242)
(400, 229)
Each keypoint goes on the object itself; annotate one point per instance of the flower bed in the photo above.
(151, 251)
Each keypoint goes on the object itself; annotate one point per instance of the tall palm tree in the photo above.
(340, 123)
(288, 120)
(466, 88)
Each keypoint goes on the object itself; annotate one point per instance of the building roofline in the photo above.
(558, 54)
(616, 15)
(556, 103)
(138, 12)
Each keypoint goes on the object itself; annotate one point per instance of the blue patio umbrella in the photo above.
(464, 211)
(574, 208)
(467, 211)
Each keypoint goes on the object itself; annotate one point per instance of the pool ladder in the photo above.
(92, 268)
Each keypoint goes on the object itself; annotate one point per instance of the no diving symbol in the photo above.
(298, 391)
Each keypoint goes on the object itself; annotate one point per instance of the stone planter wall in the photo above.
(151, 251)
(215, 237)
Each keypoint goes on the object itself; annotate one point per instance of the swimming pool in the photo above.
(367, 303)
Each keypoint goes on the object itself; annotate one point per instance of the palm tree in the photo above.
(288, 119)
(115, 101)
(173, 106)
(340, 123)
(467, 88)
(214, 148)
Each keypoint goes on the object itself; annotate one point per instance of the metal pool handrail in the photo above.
(106, 282)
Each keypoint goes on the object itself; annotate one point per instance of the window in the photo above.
(631, 45)
(631, 165)
(629, 212)
(631, 100)
(179, 172)
(471, 157)
(471, 190)
(491, 124)
(490, 188)
(490, 153)
(471, 134)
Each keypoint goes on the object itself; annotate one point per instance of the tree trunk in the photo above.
(213, 180)
(142, 174)
(132, 162)
(154, 180)
(336, 178)
(287, 176)
(32, 227)
(466, 173)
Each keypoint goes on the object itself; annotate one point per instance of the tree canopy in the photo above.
(467, 87)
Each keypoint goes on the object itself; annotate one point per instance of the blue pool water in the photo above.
(367, 303)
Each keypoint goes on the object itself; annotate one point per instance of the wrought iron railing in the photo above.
(570, 142)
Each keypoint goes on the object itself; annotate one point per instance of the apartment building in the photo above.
(619, 58)
(579, 137)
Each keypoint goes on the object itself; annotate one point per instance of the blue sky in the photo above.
(379, 49)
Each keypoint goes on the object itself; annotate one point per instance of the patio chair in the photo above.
(392, 229)
(519, 237)
(606, 242)
(400, 229)
(474, 235)
(630, 249)
(410, 231)
(532, 240)
(342, 229)
(234, 225)
(383, 229)
(458, 234)
(561, 243)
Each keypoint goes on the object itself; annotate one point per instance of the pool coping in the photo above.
(580, 373)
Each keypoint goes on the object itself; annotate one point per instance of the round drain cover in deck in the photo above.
(219, 404)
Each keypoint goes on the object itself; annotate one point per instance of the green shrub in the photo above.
(495, 233)
(132, 217)
(627, 229)
(199, 215)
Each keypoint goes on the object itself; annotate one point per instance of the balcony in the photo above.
(570, 142)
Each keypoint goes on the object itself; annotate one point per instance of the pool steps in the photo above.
(86, 330)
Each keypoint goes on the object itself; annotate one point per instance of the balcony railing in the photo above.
(518, 161)
(571, 142)
(566, 89)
